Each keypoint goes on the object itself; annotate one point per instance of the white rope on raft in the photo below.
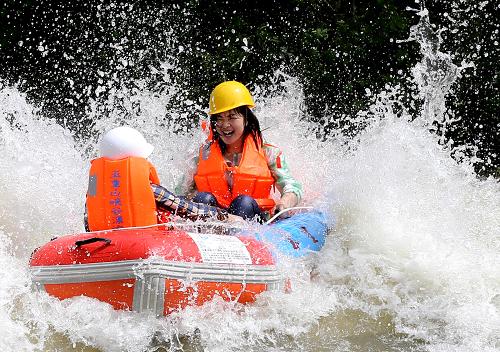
(277, 215)
(202, 223)
(171, 224)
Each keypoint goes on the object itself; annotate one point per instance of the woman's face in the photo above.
(230, 126)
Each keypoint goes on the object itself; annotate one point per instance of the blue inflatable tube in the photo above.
(295, 236)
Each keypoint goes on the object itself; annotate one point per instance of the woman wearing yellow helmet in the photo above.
(235, 168)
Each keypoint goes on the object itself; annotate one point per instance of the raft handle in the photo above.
(92, 240)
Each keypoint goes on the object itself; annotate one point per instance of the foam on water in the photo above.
(15, 286)
(413, 263)
(422, 237)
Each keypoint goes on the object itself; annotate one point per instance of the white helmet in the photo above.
(122, 142)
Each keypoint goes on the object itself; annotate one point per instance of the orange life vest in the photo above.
(252, 177)
(119, 193)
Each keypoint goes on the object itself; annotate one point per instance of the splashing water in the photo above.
(413, 263)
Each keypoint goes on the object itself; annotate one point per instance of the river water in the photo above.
(411, 263)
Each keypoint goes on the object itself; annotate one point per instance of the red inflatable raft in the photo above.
(155, 270)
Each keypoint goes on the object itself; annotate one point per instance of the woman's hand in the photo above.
(288, 200)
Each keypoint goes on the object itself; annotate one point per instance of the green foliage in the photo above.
(472, 36)
(66, 55)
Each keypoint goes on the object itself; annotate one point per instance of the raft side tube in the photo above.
(296, 236)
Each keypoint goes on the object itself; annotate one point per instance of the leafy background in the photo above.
(67, 55)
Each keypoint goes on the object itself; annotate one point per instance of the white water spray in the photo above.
(412, 264)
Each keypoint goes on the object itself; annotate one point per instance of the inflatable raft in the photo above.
(162, 269)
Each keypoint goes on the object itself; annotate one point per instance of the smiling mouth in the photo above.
(228, 134)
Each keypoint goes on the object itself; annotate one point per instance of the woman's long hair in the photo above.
(252, 127)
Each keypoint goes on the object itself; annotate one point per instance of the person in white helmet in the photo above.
(124, 188)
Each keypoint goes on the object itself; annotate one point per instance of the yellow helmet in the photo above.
(229, 95)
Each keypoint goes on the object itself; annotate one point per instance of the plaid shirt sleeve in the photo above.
(185, 208)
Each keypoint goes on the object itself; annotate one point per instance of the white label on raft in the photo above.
(221, 249)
